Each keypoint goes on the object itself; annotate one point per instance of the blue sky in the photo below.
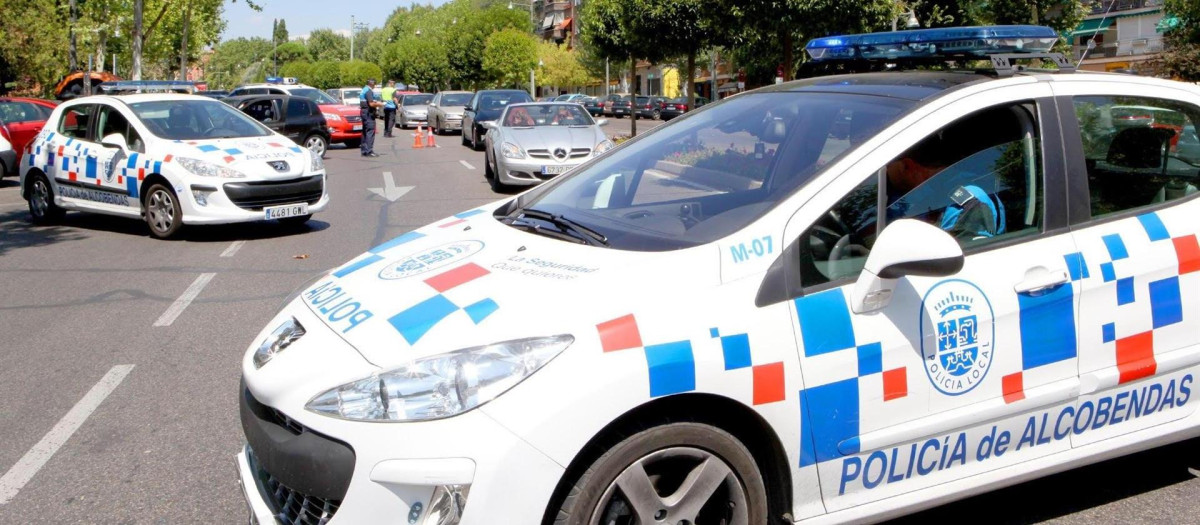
(303, 16)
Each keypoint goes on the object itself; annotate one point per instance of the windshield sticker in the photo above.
(959, 317)
(430, 259)
(535, 267)
(745, 251)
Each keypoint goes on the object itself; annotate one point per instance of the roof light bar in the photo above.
(948, 43)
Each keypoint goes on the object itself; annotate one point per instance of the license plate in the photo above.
(555, 170)
(357, 127)
(290, 210)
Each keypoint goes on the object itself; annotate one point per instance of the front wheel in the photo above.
(41, 202)
(676, 473)
(316, 144)
(163, 213)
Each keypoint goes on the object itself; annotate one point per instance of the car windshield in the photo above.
(316, 95)
(456, 99)
(417, 100)
(546, 115)
(196, 120)
(711, 174)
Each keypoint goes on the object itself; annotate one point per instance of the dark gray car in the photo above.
(486, 106)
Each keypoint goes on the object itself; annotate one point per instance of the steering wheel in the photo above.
(842, 250)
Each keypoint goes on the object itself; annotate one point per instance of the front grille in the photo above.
(545, 153)
(354, 119)
(290, 506)
(255, 196)
(539, 153)
(580, 152)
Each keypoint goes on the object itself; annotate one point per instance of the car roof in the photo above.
(134, 98)
(241, 98)
(909, 85)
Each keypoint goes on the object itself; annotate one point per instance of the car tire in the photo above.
(667, 454)
(42, 209)
(475, 139)
(162, 212)
(464, 137)
(317, 144)
(656, 115)
(400, 123)
(494, 181)
(353, 143)
(293, 222)
(488, 172)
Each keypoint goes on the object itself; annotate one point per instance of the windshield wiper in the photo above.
(588, 235)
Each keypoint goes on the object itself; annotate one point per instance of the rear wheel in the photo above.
(316, 144)
(463, 135)
(163, 213)
(656, 115)
(41, 202)
(687, 473)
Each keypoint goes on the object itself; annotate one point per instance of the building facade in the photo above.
(1124, 35)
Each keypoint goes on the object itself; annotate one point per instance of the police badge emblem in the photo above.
(957, 332)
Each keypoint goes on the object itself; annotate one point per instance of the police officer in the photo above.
(389, 108)
(366, 106)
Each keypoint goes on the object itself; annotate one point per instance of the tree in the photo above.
(239, 61)
(300, 70)
(1181, 58)
(325, 74)
(417, 60)
(292, 52)
(356, 72)
(34, 44)
(280, 32)
(625, 30)
(324, 44)
(561, 67)
(465, 45)
(509, 56)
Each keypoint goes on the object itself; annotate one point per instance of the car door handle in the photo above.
(1039, 279)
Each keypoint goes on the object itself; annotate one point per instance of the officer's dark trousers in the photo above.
(368, 139)
(389, 121)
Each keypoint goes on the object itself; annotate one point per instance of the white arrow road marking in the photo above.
(389, 190)
(32, 461)
(466, 164)
(184, 300)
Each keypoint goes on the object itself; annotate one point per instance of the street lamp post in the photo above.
(353, 28)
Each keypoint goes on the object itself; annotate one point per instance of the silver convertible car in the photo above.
(534, 142)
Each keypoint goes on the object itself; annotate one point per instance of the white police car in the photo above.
(170, 159)
(837, 299)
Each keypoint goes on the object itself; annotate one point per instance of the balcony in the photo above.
(1102, 6)
(1123, 48)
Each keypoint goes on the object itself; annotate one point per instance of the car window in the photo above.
(196, 120)
(109, 121)
(262, 110)
(13, 111)
(710, 175)
(546, 115)
(1138, 151)
(296, 107)
(979, 179)
(74, 121)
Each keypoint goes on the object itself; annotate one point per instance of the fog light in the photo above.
(201, 193)
(446, 505)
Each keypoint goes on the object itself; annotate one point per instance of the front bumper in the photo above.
(243, 201)
(397, 468)
(344, 130)
(450, 125)
(528, 171)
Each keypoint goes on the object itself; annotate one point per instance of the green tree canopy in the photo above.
(562, 67)
(325, 74)
(466, 44)
(356, 73)
(417, 60)
(508, 57)
(280, 32)
(1181, 58)
(300, 70)
(239, 61)
(292, 52)
(324, 44)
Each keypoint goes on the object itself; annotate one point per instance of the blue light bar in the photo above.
(947, 42)
(274, 80)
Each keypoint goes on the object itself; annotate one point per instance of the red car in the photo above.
(22, 118)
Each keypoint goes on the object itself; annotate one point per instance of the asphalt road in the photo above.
(79, 305)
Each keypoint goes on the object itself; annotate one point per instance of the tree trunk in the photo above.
(787, 54)
(101, 43)
(135, 73)
(183, 46)
(73, 48)
(633, 89)
(691, 80)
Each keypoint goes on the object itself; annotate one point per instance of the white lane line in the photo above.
(466, 164)
(184, 300)
(32, 461)
(232, 249)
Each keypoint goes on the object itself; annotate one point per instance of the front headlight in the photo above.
(332, 116)
(282, 337)
(208, 169)
(440, 386)
(315, 162)
(512, 151)
(604, 146)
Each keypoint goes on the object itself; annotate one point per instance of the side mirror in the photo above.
(114, 140)
(602, 122)
(489, 124)
(906, 247)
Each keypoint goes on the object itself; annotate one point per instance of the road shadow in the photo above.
(9, 183)
(16, 232)
(1072, 491)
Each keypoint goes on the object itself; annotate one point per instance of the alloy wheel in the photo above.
(40, 199)
(161, 209)
(677, 486)
(316, 144)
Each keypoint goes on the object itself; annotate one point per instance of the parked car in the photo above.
(24, 118)
(414, 108)
(344, 120)
(570, 97)
(611, 102)
(593, 105)
(170, 160)
(678, 106)
(650, 107)
(446, 110)
(297, 118)
(531, 143)
(8, 155)
(347, 96)
(486, 106)
(214, 93)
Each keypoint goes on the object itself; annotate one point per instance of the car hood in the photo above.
(470, 280)
(249, 155)
(417, 108)
(344, 110)
(552, 137)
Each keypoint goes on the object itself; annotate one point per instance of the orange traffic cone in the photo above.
(417, 141)
(429, 142)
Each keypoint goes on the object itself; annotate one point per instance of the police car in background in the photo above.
(170, 160)
(977, 279)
